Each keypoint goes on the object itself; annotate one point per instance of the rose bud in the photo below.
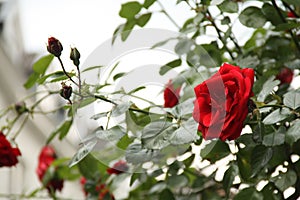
(66, 92)
(54, 46)
(75, 55)
(285, 75)
(20, 107)
(171, 95)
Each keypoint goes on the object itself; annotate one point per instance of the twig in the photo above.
(283, 20)
(65, 72)
(219, 34)
(167, 14)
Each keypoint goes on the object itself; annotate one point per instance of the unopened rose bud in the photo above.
(75, 55)
(20, 107)
(54, 46)
(66, 92)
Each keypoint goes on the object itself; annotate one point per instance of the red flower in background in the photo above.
(221, 104)
(118, 168)
(291, 15)
(8, 154)
(285, 75)
(46, 157)
(100, 190)
(171, 95)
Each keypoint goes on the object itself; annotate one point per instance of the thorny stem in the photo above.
(283, 20)
(219, 34)
(65, 72)
(20, 128)
(167, 14)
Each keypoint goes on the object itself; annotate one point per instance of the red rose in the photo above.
(100, 190)
(221, 104)
(171, 95)
(46, 157)
(54, 46)
(118, 168)
(285, 75)
(8, 154)
(291, 15)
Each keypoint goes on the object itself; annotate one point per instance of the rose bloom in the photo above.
(118, 168)
(8, 154)
(171, 95)
(46, 157)
(285, 75)
(221, 104)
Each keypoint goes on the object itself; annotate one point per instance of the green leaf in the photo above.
(130, 9)
(285, 180)
(292, 100)
(124, 142)
(156, 135)
(91, 68)
(119, 75)
(177, 181)
(287, 26)
(293, 134)
(170, 65)
(166, 194)
(52, 75)
(186, 133)
(275, 139)
(229, 177)
(42, 64)
(82, 152)
(277, 116)
(120, 109)
(267, 88)
(183, 46)
(243, 159)
(62, 130)
(143, 19)
(293, 2)
(250, 194)
(187, 162)
(148, 3)
(137, 89)
(135, 154)
(127, 28)
(261, 155)
(99, 115)
(112, 134)
(31, 80)
(271, 14)
(252, 17)
(215, 150)
(229, 7)
(90, 167)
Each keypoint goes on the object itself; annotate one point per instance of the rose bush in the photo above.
(181, 150)
(221, 104)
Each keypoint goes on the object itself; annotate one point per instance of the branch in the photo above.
(283, 20)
